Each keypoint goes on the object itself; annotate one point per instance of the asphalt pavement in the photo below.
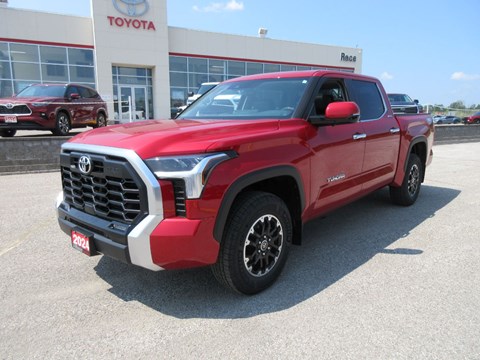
(371, 281)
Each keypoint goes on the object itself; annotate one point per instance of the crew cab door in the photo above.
(336, 165)
(382, 133)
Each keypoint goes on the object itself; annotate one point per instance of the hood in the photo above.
(29, 99)
(176, 137)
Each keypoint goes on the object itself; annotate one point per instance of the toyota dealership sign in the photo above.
(131, 10)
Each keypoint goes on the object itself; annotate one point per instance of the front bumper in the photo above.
(153, 242)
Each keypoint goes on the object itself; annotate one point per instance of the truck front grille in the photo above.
(111, 191)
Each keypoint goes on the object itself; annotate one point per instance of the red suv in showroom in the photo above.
(55, 107)
(473, 119)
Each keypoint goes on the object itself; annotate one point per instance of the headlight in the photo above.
(193, 169)
(39, 104)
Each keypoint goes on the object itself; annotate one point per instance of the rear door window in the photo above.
(368, 98)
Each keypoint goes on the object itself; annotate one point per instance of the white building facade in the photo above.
(142, 67)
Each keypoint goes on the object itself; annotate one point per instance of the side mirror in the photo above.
(416, 101)
(74, 96)
(336, 113)
(190, 93)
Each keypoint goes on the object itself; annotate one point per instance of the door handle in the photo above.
(394, 130)
(359, 136)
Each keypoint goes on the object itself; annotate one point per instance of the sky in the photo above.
(429, 49)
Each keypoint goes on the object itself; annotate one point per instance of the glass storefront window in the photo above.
(216, 66)
(80, 57)
(24, 64)
(195, 80)
(82, 74)
(4, 52)
(216, 78)
(254, 68)
(271, 68)
(23, 52)
(54, 73)
(236, 68)
(287, 67)
(132, 71)
(53, 55)
(5, 70)
(134, 80)
(26, 71)
(178, 79)
(178, 63)
(197, 65)
(188, 73)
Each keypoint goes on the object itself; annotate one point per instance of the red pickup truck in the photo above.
(230, 184)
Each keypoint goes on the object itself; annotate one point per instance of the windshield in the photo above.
(41, 91)
(204, 88)
(400, 98)
(250, 99)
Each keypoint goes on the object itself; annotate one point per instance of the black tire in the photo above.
(8, 132)
(255, 243)
(101, 121)
(407, 194)
(62, 124)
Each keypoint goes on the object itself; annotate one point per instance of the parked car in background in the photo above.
(55, 107)
(449, 119)
(473, 119)
(403, 104)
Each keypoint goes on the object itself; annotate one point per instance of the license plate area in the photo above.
(10, 119)
(83, 241)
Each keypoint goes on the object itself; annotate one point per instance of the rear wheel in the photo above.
(62, 124)
(408, 192)
(255, 244)
(8, 132)
(101, 121)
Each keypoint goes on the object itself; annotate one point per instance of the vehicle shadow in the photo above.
(333, 247)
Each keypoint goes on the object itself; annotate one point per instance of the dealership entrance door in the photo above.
(133, 101)
(132, 94)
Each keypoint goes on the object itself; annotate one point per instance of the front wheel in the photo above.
(255, 244)
(62, 124)
(408, 192)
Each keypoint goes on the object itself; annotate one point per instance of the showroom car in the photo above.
(54, 107)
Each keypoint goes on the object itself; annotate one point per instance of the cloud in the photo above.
(231, 5)
(386, 76)
(459, 75)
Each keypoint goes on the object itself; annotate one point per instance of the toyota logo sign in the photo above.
(131, 7)
(85, 164)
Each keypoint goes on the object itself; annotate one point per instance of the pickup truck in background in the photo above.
(230, 185)
(403, 104)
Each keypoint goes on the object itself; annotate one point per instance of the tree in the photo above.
(459, 104)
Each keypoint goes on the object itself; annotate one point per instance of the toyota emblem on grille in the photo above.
(85, 164)
(9, 106)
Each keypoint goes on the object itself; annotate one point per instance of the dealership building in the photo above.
(141, 66)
